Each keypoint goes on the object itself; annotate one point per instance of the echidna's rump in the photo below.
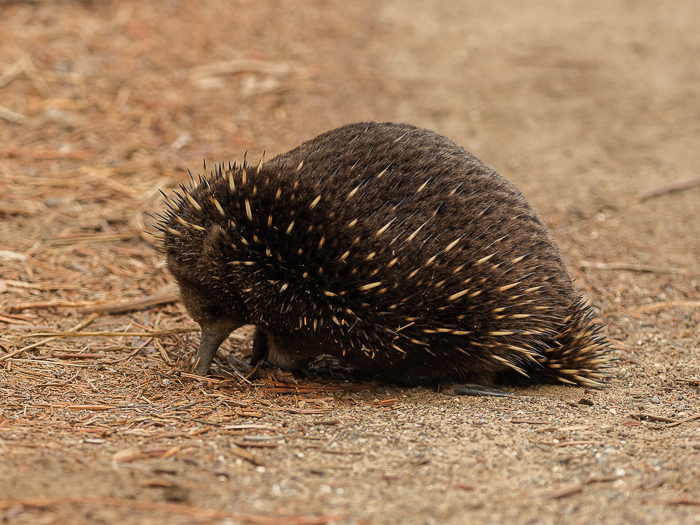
(389, 246)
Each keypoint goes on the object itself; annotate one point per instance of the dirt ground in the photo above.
(588, 107)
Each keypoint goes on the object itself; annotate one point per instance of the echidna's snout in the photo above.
(216, 319)
(213, 334)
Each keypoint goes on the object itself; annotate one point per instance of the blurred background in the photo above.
(591, 108)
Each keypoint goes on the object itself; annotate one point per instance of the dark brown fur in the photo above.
(407, 257)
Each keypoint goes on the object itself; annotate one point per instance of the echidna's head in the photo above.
(218, 314)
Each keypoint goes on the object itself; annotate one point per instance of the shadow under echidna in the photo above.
(386, 246)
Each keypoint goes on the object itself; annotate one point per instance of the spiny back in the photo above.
(391, 246)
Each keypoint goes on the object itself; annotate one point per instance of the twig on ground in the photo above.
(656, 482)
(651, 417)
(668, 188)
(681, 421)
(165, 296)
(42, 305)
(162, 333)
(80, 325)
(632, 267)
(173, 508)
(653, 307)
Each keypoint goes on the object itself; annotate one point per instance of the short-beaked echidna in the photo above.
(388, 246)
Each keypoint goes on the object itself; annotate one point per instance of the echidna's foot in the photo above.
(240, 366)
(473, 390)
(260, 347)
(303, 372)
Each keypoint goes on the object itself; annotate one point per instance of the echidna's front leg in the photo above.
(261, 353)
(260, 350)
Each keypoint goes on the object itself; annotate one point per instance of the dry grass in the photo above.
(102, 104)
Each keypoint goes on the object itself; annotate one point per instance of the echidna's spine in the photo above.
(390, 246)
(579, 354)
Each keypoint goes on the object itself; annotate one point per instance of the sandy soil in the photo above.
(584, 106)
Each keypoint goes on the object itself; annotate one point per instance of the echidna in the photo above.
(388, 246)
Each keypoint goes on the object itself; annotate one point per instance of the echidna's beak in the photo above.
(212, 336)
